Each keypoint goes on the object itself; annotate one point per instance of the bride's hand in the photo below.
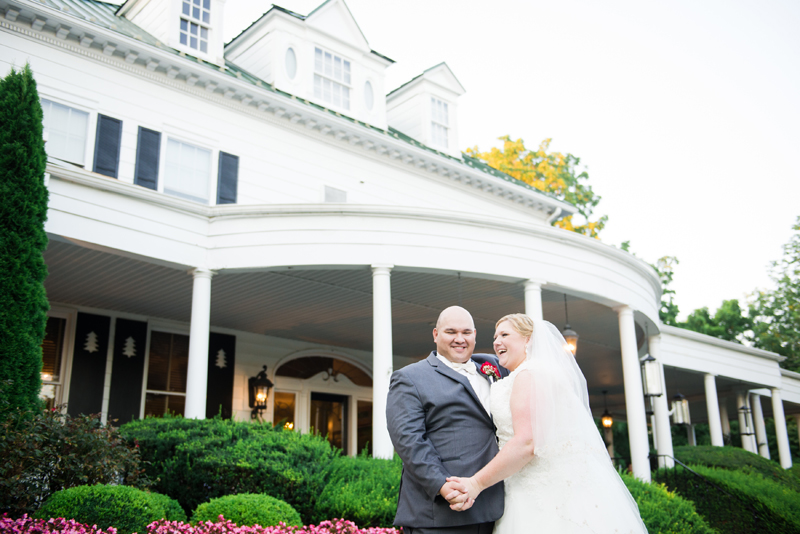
(472, 492)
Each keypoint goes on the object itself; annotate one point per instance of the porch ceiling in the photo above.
(329, 306)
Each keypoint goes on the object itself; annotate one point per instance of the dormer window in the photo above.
(439, 123)
(331, 79)
(195, 22)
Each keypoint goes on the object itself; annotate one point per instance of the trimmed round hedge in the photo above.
(663, 511)
(125, 508)
(248, 509)
(363, 490)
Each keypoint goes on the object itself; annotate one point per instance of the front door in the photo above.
(329, 418)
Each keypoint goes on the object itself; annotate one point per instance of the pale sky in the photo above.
(685, 113)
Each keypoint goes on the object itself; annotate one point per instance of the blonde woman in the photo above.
(558, 476)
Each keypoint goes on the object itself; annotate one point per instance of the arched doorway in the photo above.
(326, 395)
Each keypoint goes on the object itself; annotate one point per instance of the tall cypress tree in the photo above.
(23, 210)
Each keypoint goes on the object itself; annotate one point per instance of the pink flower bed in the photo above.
(27, 525)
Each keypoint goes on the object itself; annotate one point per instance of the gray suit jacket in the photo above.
(439, 428)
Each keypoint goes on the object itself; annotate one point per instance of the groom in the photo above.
(437, 411)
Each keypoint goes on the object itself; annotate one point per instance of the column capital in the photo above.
(534, 283)
(623, 310)
(382, 268)
(201, 272)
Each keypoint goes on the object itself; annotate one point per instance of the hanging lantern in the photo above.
(747, 430)
(606, 418)
(680, 410)
(651, 377)
(570, 335)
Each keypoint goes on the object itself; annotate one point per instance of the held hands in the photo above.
(462, 493)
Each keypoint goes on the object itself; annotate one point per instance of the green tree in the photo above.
(776, 313)
(23, 210)
(665, 268)
(729, 322)
(551, 172)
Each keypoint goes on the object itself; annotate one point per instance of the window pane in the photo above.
(364, 422)
(328, 64)
(196, 13)
(156, 405)
(317, 60)
(203, 46)
(158, 368)
(52, 349)
(186, 8)
(317, 86)
(284, 410)
(337, 68)
(66, 131)
(188, 171)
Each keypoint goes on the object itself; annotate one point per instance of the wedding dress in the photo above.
(570, 486)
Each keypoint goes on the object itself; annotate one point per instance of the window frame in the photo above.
(213, 167)
(435, 122)
(62, 384)
(323, 76)
(89, 133)
(199, 22)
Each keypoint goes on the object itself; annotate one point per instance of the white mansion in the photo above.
(218, 208)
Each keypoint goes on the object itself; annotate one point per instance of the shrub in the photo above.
(734, 458)
(663, 511)
(29, 525)
(363, 490)
(730, 509)
(773, 495)
(23, 210)
(197, 461)
(48, 451)
(125, 508)
(248, 509)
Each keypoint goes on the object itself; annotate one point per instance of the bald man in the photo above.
(439, 421)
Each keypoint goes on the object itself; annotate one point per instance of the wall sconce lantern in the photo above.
(259, 387)
(570, 335)
(680, 410)
(651, 377)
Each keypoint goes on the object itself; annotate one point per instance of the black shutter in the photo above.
(127, 371)
(89, 364)
(221, 360)
(148, 150)
(228, 179)
(106, 145)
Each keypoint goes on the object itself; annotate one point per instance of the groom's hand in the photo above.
(454, 492)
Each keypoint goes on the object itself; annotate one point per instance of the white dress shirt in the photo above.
(479, 384)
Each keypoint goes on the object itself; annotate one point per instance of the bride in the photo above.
(558, 476)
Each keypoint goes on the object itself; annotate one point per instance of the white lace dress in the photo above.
(568, 488)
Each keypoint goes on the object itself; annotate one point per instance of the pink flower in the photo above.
(490, 370)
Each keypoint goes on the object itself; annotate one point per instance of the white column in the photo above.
(746, 442)
(661, 411)
(712, 405)
(634, 395)
(381, 358)
(761, 428)
(781, 434)
(725, 419)
(197, 369)
(112, 332)
(533, 299)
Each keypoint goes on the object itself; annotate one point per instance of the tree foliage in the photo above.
(776, 313)
(23, 210)
(665, 268)
(552, 172)
(729, 322)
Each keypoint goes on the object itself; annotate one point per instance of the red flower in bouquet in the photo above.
(491, 370)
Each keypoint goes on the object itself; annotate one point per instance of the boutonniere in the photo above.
(491, 371)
